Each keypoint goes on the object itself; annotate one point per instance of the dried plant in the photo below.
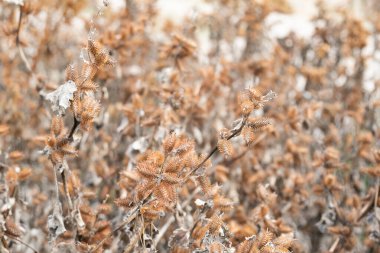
(123, 130)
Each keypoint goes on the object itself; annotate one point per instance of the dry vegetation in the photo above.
(123, 133)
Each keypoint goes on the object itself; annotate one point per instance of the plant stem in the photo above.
(233, 134)
(21, 51)
(63, 176)
(73, 129)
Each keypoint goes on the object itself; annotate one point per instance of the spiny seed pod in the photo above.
(184, 147)
(225, 147)
(200, 231)
(245, 246)
(68, 150)
(57, 125)
(77, 105)
(205, 184)
(100, 55)
(265, 237)
(88, 71)
(156, 157)
(223, 204)
(24, 174)
(88, 85)
(123, 202)
(15, 155)
(57, 157)
(171, 178)
(71, 73)
(51, 141)
(284, 241)
(172, 165)
(248, 134)
(11, 228)
(258, 124)
(216, 247)
(215, 224)
(247, 107)
(146, 169)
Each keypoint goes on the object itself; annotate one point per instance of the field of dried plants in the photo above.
(123, 131)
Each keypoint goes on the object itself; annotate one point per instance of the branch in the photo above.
(234, 159)
(233, 134)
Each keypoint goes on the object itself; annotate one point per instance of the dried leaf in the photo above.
(61, 97)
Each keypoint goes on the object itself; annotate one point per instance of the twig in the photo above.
(235, 133)
(377, 188)
(233, 159)
(23, 243)
(334, 245)
(3, 165)
(21, 51)
(366, 208)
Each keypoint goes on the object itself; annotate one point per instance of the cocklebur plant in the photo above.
(163, 173)
(77, 94)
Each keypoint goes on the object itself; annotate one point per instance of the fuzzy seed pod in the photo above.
(146, 169)
(215, 224)
(24, 174)
(205, 184)
(245, 246)
(248, 135)
(123, 202)
(225, 147)
(88, 85)
(68, 150)
(264, 238)
(247, 107)
(15, 155)
(171, 178)
(172, 165)
(11, 228)
(71, 73)
(258, 124)
(57, 157)
(57, 125)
